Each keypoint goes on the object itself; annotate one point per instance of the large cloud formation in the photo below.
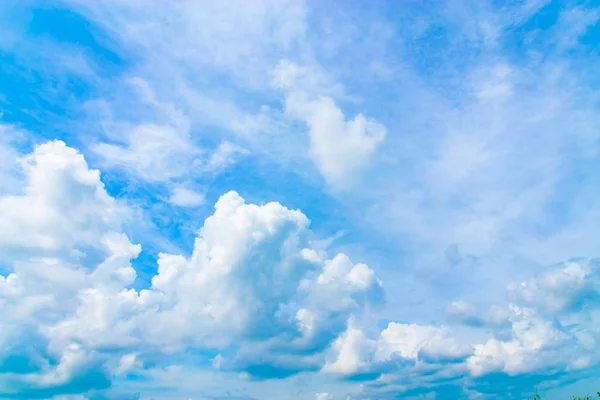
(255, 296)
(252, 278)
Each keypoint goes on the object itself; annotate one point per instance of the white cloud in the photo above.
(238, 38)
(218, 361)
(323, 396)
(573, 23)
(229, 275)
(490, 184)
(206, 75)
(57, 180)
(183, 197)
(491, 153)
(465, 313)
(60, 236)
(340, 148)
(154, 152)
(223, 156)
(251, 277)
(524, 340)
(246, 258)
(162, 147)
(72, 360)
(560, 289)
(126, 363)
(352, 353)
(535, 345)
(340, 281)
(252, 280)
(413, 341)
(159, 149)
(266, 32)
(357, 352)
(462, 311)
(546, 318)
(249, 258)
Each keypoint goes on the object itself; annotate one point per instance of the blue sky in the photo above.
(299, 200)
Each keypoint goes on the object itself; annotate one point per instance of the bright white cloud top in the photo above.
(293, 200)
(253, 288)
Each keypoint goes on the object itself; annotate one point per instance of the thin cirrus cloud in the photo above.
(168, 179)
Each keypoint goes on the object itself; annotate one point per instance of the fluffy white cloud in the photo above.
(355, 352)
(419, 341)
(533, 346)
(561, 289)
(252, 283)
(246, 264)
(546, 318)
(514, 340)
(183, 197)
(352, 353)
(63, 209)
(252, 277)
(340, 148)
(60, 237)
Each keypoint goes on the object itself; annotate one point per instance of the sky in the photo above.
(297, 199)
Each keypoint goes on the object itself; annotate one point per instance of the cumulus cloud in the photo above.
(533, 347)
(416, 341)
(352, 353)
(252, 276)
(60, 236)
(546, 317)
(340, 148)
(57, 179)
(397, 348)
(564, 288)
(486, 145)
(535, 335)
(253, 288)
